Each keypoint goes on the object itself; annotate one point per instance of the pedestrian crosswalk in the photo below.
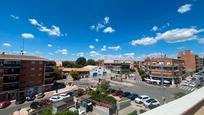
(187, 88)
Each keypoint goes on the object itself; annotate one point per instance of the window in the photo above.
(33, 62)
(32, 68)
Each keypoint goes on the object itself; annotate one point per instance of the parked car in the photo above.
(64, 95)
(132, 96)
(4, 103)
(141, 99)
(70, 93)
(20, 100)
(112, 91)
(192, 84)
(40, 95)
(35, 105)
(151, 102)
(185, 83)
(125, 94)
(117, 93)
(56, 98)
(45, 102)
(30, 98)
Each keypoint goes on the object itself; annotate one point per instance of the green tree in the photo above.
(57, 73)
(80, 62)
(91, 62)
(68, 64)
(103, 87)
(75, 75)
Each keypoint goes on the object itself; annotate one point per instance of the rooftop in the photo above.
(20, 57)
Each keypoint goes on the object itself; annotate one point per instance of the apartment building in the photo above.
(117, 66)
(192, 61)
(168, 69)
(24, 75)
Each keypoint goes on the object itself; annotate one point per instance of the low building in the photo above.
(167, 69)
(24, 75)
(88, 71)
(192, 61)
(118, 66)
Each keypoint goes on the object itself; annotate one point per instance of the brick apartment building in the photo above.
(117, 66)
(171, 70)
(24, 75)
(192, 61)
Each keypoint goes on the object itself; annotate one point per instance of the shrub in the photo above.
(179, 94)
(153, 106)
(133, 113)
(142, 111)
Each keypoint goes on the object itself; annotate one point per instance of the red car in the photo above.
(4, 103)
(117, 93)
(45, 102)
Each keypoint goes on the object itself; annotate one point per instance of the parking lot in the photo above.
(138, 87)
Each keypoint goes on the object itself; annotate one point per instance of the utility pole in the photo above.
(162, 80)
(22, 50)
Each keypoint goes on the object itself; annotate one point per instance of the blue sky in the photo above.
(125, 29)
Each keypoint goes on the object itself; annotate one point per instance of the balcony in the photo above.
(50, 64)
(49, 81)
(12, 86)
(11, 71)
(10, 79)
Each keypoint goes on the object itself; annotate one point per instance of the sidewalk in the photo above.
(67, 88)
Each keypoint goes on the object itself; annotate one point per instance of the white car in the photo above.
(64, 95)
(56, 98)
(192, 85)
(151, 102)
(141, 99)
(185, 83)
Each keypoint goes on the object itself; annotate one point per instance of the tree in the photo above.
(75, 75)
(68, 64)
(91, 62)
(57, 73)
(103, 87)
(80, 62)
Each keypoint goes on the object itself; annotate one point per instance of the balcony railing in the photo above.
(12, 86)
(187, 105)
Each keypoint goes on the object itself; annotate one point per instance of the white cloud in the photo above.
(14, 17)
(179, 34)
(184, 8)
(80, 54)
(106, 20)
(62, 51)
(155, 28)
(94, 54)
(53, 31)
(91, 47)
(27, 35)
(103, 48)
(116, 48)
(97, 40)
(108, 30)
(97, 27)
(49, 45)
(129, 54)
(201, 40)
(6, 44)
(144, 41)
